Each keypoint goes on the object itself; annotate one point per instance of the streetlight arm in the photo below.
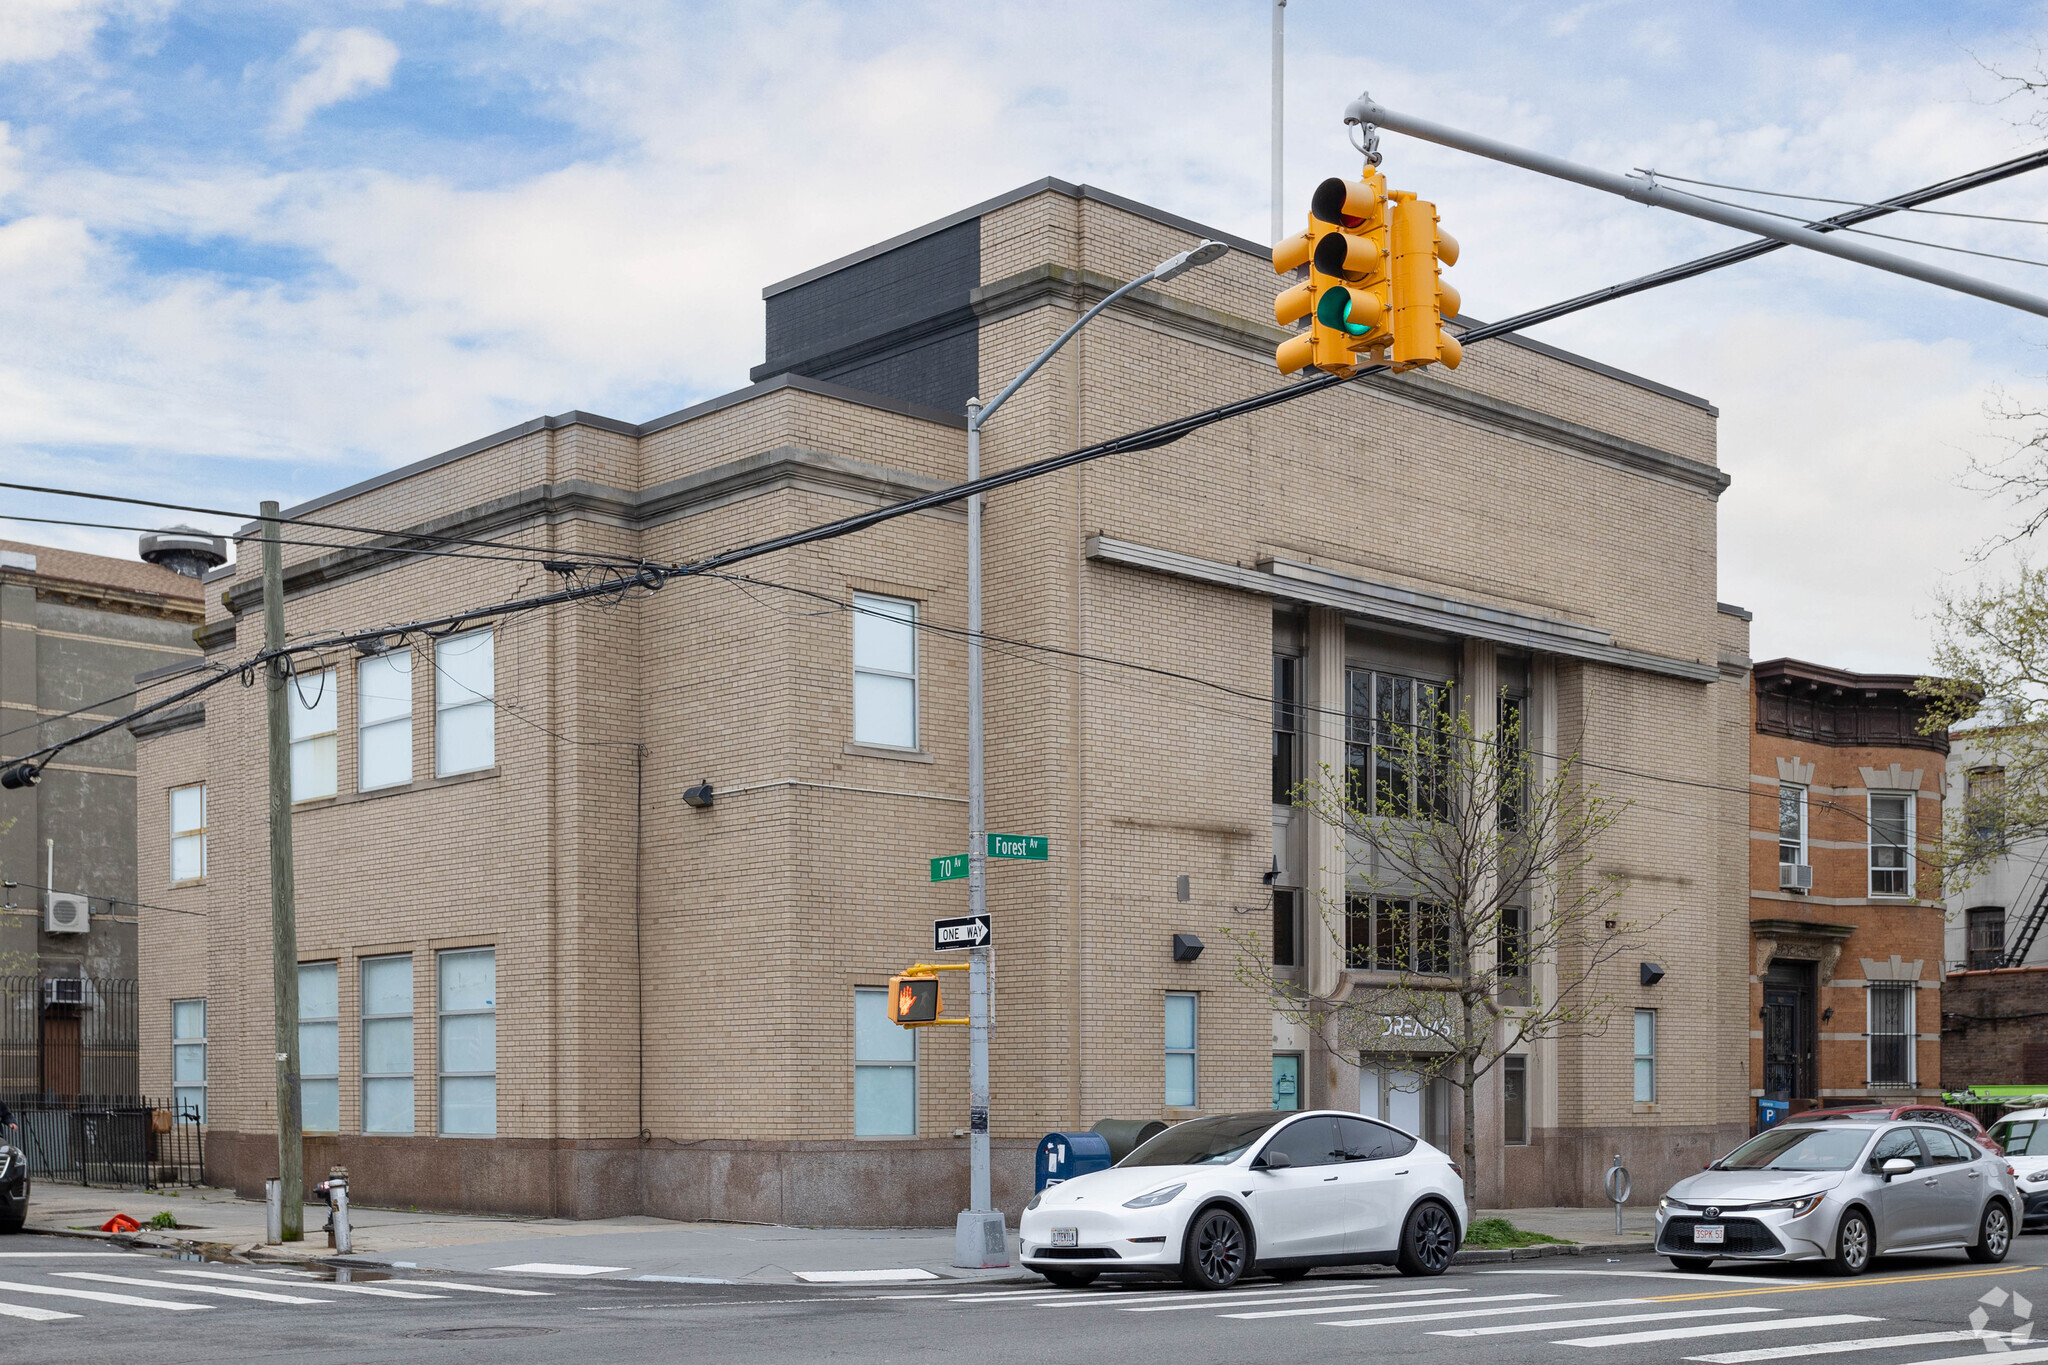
(1165, 270)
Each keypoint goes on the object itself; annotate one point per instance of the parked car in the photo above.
(2024, 1136)
(1964, 1123)
(1842, 1191)
(13, 1178)
(1273, 1192)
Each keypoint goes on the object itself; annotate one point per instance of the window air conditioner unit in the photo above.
(65, 913)
(1795, 877)
(63, 991)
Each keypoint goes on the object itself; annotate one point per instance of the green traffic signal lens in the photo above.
(1333, 309)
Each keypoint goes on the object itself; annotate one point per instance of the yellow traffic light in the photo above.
(914, 1000)
(1421, 299)
(1348, 293)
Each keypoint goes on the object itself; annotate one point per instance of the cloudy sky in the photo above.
(263, 250)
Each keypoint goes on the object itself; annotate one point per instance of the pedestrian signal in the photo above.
(913, 1000)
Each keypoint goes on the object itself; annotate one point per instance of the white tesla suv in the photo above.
(1276, 1192)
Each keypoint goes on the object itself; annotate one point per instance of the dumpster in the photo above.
(1062, 1156)
(1124, 1135)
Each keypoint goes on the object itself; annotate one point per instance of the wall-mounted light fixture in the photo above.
(1651, 973)
(1827, 1014)
(700, 796)
(1186, 947)
(1273, 872)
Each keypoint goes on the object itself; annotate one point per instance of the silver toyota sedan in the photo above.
(1842, 1192)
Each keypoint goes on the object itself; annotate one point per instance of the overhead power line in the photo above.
(1857, 203)
(651, 576)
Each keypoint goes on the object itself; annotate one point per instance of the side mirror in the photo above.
(1898, 1165)
(1272, 1161)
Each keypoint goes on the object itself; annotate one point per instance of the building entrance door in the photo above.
(1789, 1042)
(60, 1055)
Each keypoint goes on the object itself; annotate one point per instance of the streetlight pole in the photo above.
(979, 1241)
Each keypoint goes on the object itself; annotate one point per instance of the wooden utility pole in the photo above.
(284, 924)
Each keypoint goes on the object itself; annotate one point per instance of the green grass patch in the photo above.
(1498, 1234)
(166, 1219)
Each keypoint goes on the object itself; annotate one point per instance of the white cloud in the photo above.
(38, 30)
(341, 64)
(730, 148)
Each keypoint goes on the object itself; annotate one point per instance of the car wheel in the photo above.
(1994, 1234)
(1692, 1264)
(1428, 1240)
(1289, 1274)
(1853, 1243)
(1217, 1250)
(12, 1215)
(1070, 1279)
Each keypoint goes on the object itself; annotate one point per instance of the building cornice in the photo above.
(187, 717)
(783, 467)
(1078, 290)
(1291, 581)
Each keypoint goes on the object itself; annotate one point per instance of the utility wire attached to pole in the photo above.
(23, 770)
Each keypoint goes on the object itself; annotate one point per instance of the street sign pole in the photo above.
(979, 1240)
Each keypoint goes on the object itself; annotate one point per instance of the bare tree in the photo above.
(1469, 871)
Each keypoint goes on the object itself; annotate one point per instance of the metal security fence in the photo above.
(124, 1140)
(65, 1037)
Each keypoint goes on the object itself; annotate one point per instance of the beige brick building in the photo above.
(675, 1012)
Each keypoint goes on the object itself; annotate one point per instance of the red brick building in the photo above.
(1845, 921)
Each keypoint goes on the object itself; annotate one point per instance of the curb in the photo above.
(1547, 1250)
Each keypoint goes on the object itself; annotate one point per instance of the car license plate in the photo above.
(1066, 1237)
(1709, 1235)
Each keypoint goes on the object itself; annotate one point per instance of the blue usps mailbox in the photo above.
(1062, 1156)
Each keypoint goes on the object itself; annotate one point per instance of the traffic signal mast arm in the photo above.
(1644, 189)
(22, 770)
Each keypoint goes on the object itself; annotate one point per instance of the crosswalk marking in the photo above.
(1500, 1328)
(476, 1288)
(1187, 1301)
(379, 1291)
(1011, 1294)
(47, 1255)
(1521, 1309)
(2033, 1357)
(1822, 1348)
(557, 1268)
(1402, 1303)
(1718, 1329)
(101, 1296)
(1124, 1299)
(260, 1295)
(22, 1310)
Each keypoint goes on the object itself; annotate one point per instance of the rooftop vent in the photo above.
(184, 550)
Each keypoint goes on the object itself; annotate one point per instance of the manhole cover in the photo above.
(483, 1333)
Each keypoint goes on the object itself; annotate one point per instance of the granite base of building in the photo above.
(912, 1183)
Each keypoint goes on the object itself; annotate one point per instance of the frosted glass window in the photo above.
(1646, 1056)
(1180, 1050)
(465, 684)
(188, 833)
(319, 1047)
(384, 721)
(469, 1041)
(188, 1059)
(310, 704)
(884, 1070)
(387, 1044)
(884, 671)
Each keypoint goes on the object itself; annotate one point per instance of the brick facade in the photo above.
(1833, 742)
(675, 985)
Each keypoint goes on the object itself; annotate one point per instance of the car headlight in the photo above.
(1156, 1197)
(1801, 1206)
(1034, 1201)
(1664, 1204)
(2038, 1176)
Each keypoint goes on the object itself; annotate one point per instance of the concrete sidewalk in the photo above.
(218, 1222)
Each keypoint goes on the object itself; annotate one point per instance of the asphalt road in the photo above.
(63, 1300)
